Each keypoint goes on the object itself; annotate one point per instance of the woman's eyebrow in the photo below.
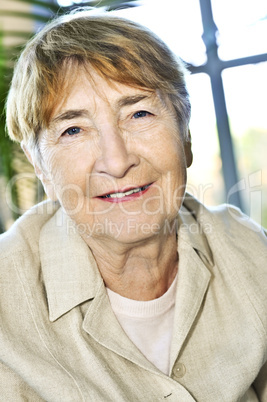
(74, 113)
(69, 115)
(132, 99)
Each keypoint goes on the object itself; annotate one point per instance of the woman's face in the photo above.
(114, 157)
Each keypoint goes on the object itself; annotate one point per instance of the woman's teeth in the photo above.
(129, 192)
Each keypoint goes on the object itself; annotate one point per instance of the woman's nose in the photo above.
(115, 158)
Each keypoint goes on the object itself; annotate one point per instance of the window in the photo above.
(224, 45)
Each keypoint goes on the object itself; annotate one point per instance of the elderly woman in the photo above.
(121, 288)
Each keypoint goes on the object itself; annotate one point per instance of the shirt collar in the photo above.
(70, 271)
(193, 227)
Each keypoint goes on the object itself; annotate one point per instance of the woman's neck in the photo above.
(139, 272)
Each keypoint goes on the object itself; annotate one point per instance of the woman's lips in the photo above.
(127, 195)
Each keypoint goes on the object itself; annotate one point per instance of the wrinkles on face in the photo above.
(109, 141)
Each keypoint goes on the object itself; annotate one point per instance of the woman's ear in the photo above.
(40, 172)
(188, 150)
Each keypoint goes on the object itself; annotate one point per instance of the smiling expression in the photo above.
(113, 153)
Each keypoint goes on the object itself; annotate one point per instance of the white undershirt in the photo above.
(149, 324)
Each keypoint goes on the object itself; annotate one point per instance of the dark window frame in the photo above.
(214, 67)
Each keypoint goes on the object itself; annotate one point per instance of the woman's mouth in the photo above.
(126, 195)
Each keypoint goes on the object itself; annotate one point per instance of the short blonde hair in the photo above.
(116, 48)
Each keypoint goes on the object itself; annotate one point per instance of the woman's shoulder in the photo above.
(23, 235)
(233, 237)
(237, 243)
(226, 220)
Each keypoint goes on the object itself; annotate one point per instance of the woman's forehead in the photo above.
(84, 82)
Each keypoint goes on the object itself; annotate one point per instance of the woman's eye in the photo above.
(72, 131)
(141, 113)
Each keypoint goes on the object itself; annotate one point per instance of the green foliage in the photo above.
(6, 146)
(10, 153)
(250, 151)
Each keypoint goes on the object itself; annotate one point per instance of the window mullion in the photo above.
(214, 68)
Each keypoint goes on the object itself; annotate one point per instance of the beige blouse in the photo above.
(60, 340)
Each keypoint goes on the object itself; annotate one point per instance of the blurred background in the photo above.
(223, 44)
